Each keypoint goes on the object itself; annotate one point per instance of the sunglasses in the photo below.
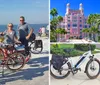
(9, 26)
(21, 20)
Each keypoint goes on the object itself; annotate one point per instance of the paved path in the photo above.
(78, 79)
(76, 41)
(34, 73)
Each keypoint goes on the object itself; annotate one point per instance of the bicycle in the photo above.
(62, 70)
(12, 60)
(35, 46)
(32, 46)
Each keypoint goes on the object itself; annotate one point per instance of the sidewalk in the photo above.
(76, 41)
(78, 79)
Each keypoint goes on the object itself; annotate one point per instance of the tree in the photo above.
(60, 19)
(94, 21)
(61, 31)
(93, 31)
(56, 20)
(53, 23)
(54, 12)
(58, 32)
(86, 31)
(64, 32)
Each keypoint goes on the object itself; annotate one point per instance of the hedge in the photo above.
(65, 54)
(78, 49)
(84, 47)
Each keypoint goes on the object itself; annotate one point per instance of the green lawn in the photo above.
(66, 45)
(98, 48)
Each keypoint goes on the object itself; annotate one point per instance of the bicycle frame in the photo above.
(5, 54)
(81, 60)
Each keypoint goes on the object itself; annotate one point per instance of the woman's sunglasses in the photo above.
(10, 26)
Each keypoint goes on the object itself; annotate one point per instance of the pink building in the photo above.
(74, 21)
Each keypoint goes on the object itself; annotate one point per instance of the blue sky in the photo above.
(35, 11)
(90, 6)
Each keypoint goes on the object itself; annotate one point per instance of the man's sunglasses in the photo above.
(21, 20)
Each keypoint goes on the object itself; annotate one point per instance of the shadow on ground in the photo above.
(44, 52)
(37, 67)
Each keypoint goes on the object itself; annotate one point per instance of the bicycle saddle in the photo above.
(68, 50)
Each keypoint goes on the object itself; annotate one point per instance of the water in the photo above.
(35, 26)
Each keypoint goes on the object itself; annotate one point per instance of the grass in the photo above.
(94, 52)
(63, 46)
(66, 46)
(98, 48)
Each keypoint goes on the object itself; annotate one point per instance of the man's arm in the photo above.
(15, 38)
(30, 33)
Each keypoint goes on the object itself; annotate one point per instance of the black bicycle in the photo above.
(35, 45)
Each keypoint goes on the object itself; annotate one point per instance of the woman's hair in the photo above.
(11, 24)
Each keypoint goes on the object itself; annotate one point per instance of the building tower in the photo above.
(81, 8)
(67, 9)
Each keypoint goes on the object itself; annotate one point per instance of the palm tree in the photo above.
(86, 31)
(90, 19)
(53, 23)
(64, 31)
(58, 31)
(54, 12)
(56, 20)
(60, 18)
(94, 21)
(97, 20)
(93, 31)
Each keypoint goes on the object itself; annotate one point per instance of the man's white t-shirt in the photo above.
(43, 30)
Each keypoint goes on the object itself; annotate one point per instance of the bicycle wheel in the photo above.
(93, 68)
(15, 61)
(64, 71)
(36, 50)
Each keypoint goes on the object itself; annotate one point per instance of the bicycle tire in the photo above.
(87, 66)
(13, 59)
(56, 77)
(32, 48)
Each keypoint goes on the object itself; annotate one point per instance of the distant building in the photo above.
(74, 21)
